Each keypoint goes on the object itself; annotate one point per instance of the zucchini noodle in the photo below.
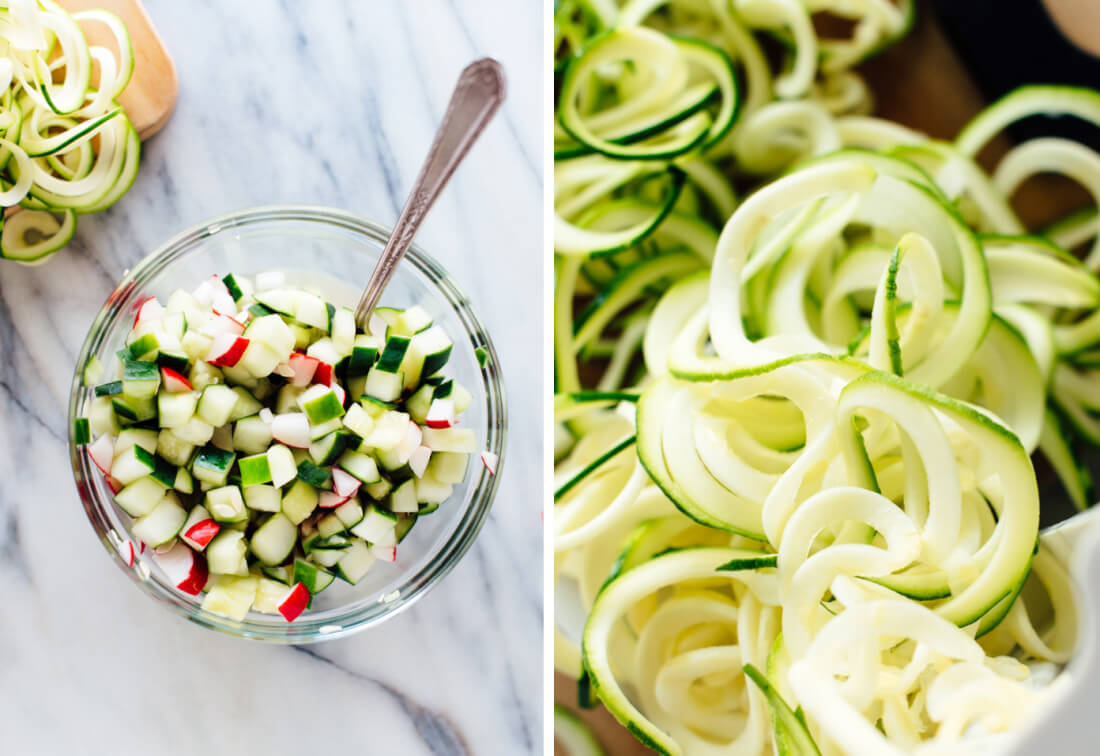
(803, 359)
(66, 147)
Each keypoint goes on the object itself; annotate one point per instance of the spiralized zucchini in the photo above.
(66, 147)
(803, 357)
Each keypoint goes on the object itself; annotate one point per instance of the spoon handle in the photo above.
(476, 97)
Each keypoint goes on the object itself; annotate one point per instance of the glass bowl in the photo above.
(337, 251)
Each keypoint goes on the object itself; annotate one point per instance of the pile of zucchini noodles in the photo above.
(66, 147)
(803, 356)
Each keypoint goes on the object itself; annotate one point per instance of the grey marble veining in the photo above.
(329, 103)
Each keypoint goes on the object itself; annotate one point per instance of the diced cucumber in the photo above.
(233, 285)
(379, 489)
(239, 377)
(164, 472)
(428, 353)
(175, 359)
(387, 315)
(132, 463)
(355, 562)
(254, 470)
(318, 477)
(328, 448)
(140, 380)
(225, 554)
(163, 523)
(259, 359)
(273, 332)
(287, 401)
(131, 410)
(350, 513)
(246, 406)
(226, 504)
(300, 501)
(212, 465)
(450, 440)
(204, 374)
(320, 404)
(140, 497)
(313, 311)
(325, 428)
(311, 576)
(93, 371)
(323, 350)
(101, 417)
(283, 467)
(303, 335)
(358, 421)
(412, 321)
(274, 540)
(269, 594)
(448, 467)
(173, 410)
(146, 439)
(330, 525)
(251, 435)
(196, 346)
(343, 330)
(281, 301)
(389, 430)
(443, 389)
(327, 557)
(362, 466)
(216, 404)
(461, 397)
(404, 525)
(194, 431)
(364, 352)
(183, 483)
(231, 596)
(280, 573)
(403, 499)
(419, 403)
(393, 354)
(263, 498)
(431, 491)
(112, 388)
(376, 526)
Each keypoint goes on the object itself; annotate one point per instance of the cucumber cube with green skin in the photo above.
(173, 410)
(343, 330)
(443, 389)
(403, 499)
(461, 397)
(176, 360)
(412, 321)
(482, 355)
(300, 501)
(393, 354)
(355, 562)
(363, 356)
(379, 489)
(140, 497)
(318, 477)
(251, 435)
(146, 439)
(320, 431)
(165, 472)
(450, 440)
(349, 513)
(313, 311)
(314, 578)
(246, 406)
(283, 466)
(419, 403)
(183, 483)
(131, 410)
(281, 573)
(328, 448)
(225, 554)
(330, 525)
(101, 417)
(358, 421)
(448, 467)
(196, 346)
(226, 504)
(204, 374)
(236, 290)
(430, 491)
(259, 359)
(254, 470)
(146, 346)
(133, 463)
(274, 540)
(194, 431)
(240, 378)
(375, 407)
(273, 332)
(112, 388)
(389, 430)
(231, 595)
(320, 404)
(212, 465)
(140, 380)
(162, 524)
(404, 525)
(216, 404)
(377, 527)
(362, 466)
(263, 498)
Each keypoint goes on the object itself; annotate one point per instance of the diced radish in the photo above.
(294, 603)
(490, 461)
(385, 553)
(201, 533)
(340, 393)
(345, 484)
(418, 460)
(126, 550)
(184, 568)
(323, 374)
(173, 381)
(102, 452)
(112, 484)
(291, 429)
(267, 415)
(148, 309)
(331, 500)
(441, 413)
(407, 445)
(304, 367)
(220, 298)
(142, 549)
(284, 369)
(269, 279)
(230, 320)
(220, 324)
(227, 350)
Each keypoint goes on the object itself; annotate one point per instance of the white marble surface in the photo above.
(325, 103)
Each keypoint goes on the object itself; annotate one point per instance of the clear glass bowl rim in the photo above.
(334, 623)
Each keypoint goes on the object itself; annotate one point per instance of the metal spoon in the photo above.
(476, 97)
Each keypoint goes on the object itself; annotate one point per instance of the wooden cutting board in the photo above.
(921, 82)
(152, 92)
